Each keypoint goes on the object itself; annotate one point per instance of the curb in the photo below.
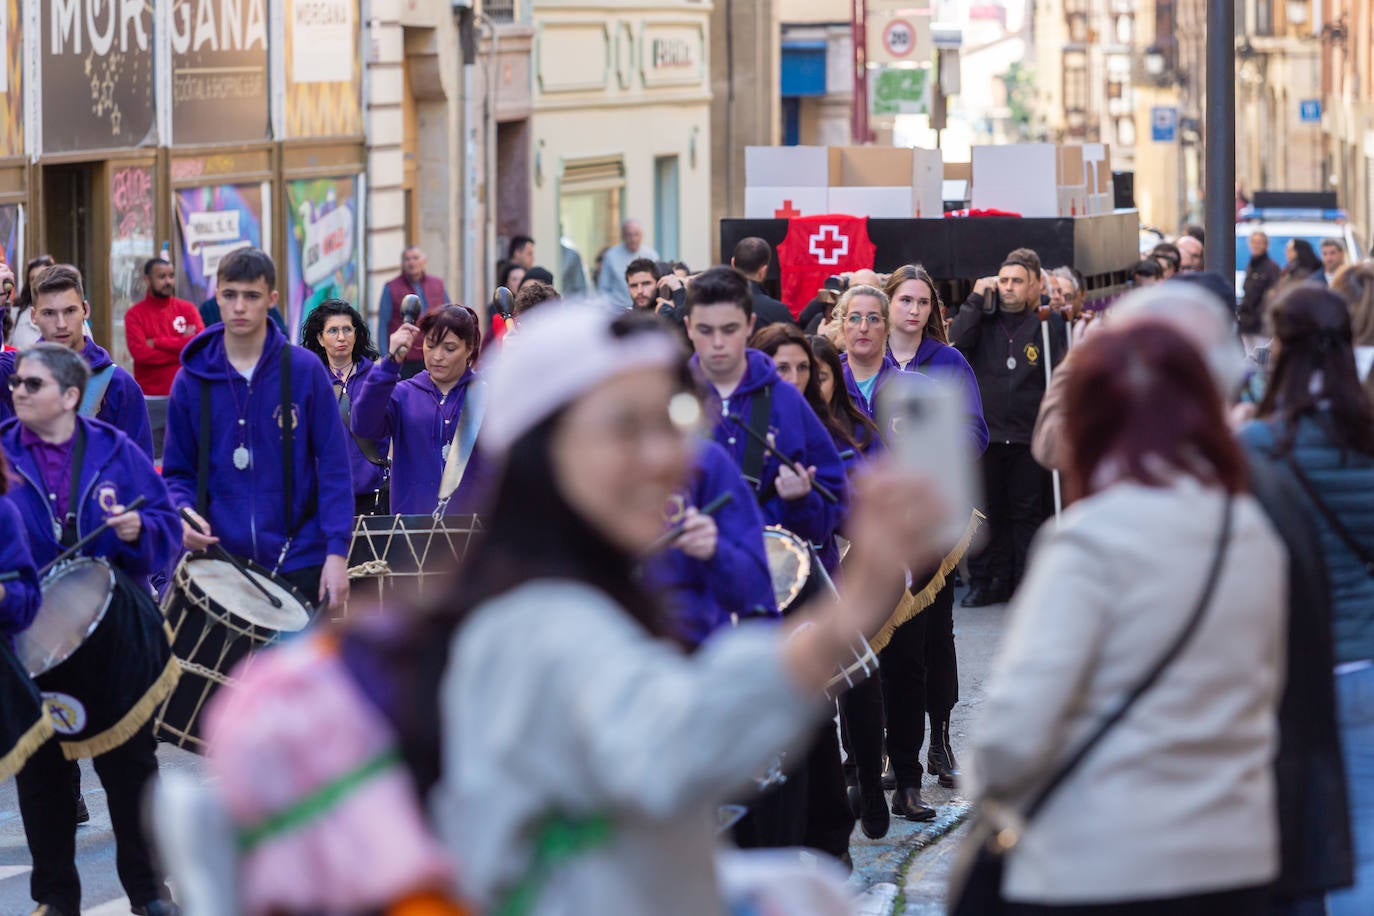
(880, 865)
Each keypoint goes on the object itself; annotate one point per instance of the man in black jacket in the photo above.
(1261, 276)
(998, 331)
(751, 258)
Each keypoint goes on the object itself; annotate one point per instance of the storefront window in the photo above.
(213, 221)
(132, 243)
(323, 245)
(592, 220)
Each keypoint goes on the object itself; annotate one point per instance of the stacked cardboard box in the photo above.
(1043, 179)
(872, 181)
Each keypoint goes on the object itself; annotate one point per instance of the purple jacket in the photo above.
(114, 472)
(797, 432)
(247, 510)
(367, 477)
(410, 414)
(22, 595)
(946, 363)
(123, 406)
(701, 595)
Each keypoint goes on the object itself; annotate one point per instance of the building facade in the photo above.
(1343, 32)
(621, 129)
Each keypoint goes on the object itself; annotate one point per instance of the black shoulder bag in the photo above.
(980, 893)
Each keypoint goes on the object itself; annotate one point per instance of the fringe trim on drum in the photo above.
(911, 605)
(28, 745)
(132, 721)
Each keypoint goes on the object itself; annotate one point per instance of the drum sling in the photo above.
(751, 466)
(24, 726)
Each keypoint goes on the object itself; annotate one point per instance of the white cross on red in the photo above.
(829, 245)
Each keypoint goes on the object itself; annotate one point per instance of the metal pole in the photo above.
(1221, 138)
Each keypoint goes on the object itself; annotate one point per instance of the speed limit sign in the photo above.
(899, 38)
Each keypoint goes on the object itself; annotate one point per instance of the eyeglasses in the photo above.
(32, 384)
(340, 332)
(855, 319)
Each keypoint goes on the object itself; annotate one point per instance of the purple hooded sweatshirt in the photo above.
(419, 421)
(946, 363)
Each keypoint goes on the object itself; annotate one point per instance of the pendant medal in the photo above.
(1011, 362)
(443, 452)
(241, 458)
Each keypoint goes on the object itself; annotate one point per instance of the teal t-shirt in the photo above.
(866, 387)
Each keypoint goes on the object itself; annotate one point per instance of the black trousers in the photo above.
(861, 730)
(920, 678)
(48, 807)
(829, 822)
(1014, 486)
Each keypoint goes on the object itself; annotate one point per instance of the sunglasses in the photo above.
(32, 384)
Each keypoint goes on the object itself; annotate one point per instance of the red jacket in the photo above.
(155, 331)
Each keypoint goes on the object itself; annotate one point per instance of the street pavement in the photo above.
(903, 873)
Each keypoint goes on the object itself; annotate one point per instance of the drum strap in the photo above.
(203, 455)
(70, 534)
(752, 465)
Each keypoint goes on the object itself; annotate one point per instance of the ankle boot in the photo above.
(907, 803)
(940, 760)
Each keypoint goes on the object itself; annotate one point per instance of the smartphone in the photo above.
(924, 421)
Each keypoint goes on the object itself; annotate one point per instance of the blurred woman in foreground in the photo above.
(1172, 811)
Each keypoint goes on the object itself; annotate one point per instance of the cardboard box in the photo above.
(786, 166)
(921, 171)
(1037, 180)
(783, 203)
(875, 203)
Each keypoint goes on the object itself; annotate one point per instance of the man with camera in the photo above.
(998, 331)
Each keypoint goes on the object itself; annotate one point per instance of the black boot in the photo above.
(854, 797)
(873, 815)
(940, 760)
(82, 815)
(906, 802)
(983, 594)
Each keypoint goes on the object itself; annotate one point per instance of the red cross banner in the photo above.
(817, 247)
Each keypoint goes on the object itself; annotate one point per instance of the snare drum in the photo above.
(797, 575)
(218, 618)
(99, 652)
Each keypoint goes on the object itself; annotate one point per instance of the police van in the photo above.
(1287, 215)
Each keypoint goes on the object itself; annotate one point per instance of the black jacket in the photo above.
(988, 337)
(1314, 816)
(767, 309)
(1261, 276)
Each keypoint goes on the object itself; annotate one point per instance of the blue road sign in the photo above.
(1163, 124)
(1310, 111)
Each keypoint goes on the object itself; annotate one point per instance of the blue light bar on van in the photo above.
(1293, 213)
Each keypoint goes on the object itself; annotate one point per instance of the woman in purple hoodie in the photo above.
(337, 334)
(427, 415)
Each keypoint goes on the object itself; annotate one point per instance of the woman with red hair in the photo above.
(1149, 630)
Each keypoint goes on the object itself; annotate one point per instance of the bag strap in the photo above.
(761, 409)
(203, 453)
(288, 441)
(461, 446)
(71, 532)
(94, 396)
(1151, 677)
(1342, 532)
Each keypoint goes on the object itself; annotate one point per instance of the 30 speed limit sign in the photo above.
(899, 38)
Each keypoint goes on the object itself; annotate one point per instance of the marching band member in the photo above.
(225, 454)
(918, 663)
(754, 405)
(558, 678)
(428, 414)
(75, 474)
(917, 342)
(20, 595)
(60, 311)
(716, 571)
(336, 333)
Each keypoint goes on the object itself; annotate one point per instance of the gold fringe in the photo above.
(132, 721)
(911, 605)
(33, 739)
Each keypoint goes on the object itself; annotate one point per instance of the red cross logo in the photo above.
(828, 245)
(787, 211)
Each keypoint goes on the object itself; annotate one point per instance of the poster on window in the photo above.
(211, 222)
(12, 235)
(323, 245)
(11, 79)
(132, 243)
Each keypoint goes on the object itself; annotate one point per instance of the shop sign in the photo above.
(219, 71)
(323, 91)
(323, 244)
(97, 72)
(211, 222)
(671, 54)
(323, 33)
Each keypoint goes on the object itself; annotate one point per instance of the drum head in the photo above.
(75, 598)
(225, 586)
(789, 563)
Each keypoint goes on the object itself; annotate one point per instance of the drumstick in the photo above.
(772, 450)
(7, 576)
(675, 532)
(229, 558)
(97, 532)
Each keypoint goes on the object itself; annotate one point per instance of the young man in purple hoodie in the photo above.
(60, 310)
(296, 516)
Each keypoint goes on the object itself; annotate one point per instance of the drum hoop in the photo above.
(799, 550)
(54, 574)
(211, 608)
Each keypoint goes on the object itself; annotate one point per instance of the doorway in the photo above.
(69, 225)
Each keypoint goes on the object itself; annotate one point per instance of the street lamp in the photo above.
(1297, 11)
(1155, 61)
